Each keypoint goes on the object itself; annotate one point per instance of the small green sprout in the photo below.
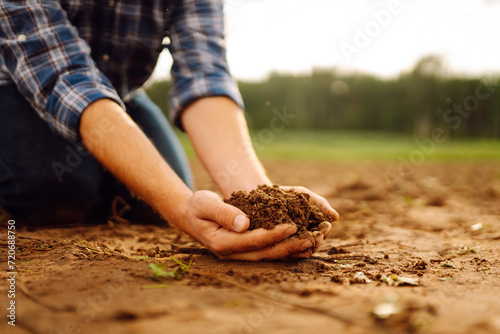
(184, 267)
(159, 271)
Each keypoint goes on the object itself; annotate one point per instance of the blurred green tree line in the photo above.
(414, 103)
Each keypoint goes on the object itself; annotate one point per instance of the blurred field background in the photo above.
(354, 146)
(334, 117)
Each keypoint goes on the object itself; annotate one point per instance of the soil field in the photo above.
(417, 250)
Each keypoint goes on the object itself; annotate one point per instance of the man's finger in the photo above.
(318, 237)
(320, 202)
(302, 255)
(318, 240)
(325, 228)
(211, 207)
(280, 250)
(227, 242)
(324, 206)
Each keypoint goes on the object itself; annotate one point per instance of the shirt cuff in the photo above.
(71, 96)
(194, 89)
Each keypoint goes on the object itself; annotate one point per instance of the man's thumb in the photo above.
(224, 214)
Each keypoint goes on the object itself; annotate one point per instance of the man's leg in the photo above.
(155, 125)
(44, 178)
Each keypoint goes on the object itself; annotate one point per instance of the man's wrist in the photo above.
(174, 208)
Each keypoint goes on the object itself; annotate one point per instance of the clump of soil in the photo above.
(268, 206)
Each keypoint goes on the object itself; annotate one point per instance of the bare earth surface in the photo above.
(404, 258)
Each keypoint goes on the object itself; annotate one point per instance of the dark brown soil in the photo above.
(268, 206)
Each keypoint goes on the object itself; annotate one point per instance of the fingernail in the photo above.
(239, 223)
(305, 245)
(290, 231)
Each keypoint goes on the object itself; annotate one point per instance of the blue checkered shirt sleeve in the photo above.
(50, 64)
(199, 56)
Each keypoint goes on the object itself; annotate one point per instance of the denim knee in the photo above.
(46, 198)
(41, 172)
(156, 126)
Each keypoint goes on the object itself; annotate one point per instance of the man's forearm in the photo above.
(118, 143)
(218, 130)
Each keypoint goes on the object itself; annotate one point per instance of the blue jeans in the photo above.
(45, 178)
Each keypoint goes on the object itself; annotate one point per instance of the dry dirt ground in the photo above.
(415, 251)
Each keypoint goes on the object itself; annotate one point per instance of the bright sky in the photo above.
(382, 37)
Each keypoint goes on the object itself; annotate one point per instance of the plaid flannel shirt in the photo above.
(63, 55)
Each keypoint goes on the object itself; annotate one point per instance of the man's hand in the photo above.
(325, 227)
(319, 201)
(222, 228)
